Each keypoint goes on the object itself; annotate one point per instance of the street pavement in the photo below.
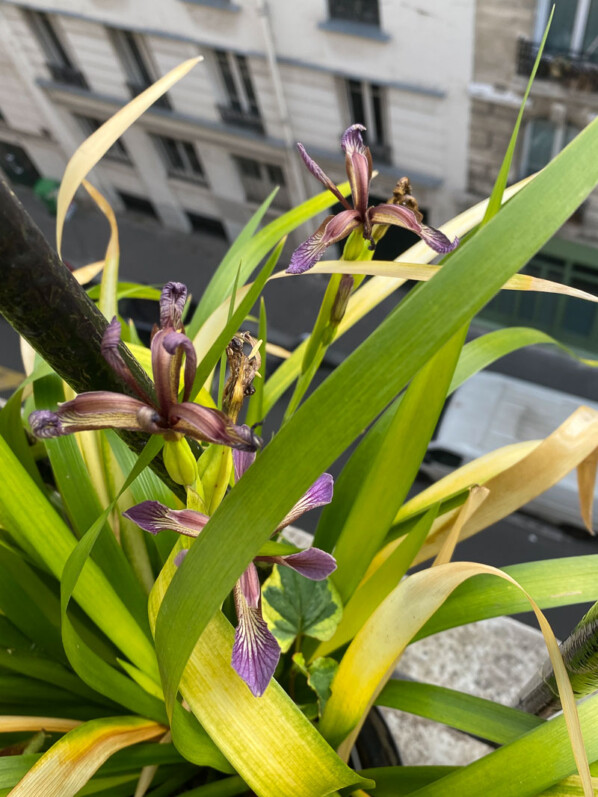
(153, 255)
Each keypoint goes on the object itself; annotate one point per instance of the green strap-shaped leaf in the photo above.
(29, 517)
(358, 391)
(474, 715)
(525, 767)
(555, 582)
(398, 781)
(388, 475)
(482, 351)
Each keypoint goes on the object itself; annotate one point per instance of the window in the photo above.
(574, 26)
(543, 141)
(366, 107)
(207, 225)
(58, 62)
(138, 204)
(260, 179)
(180, 158)
(364, 11)
(130, 50)
(241, 108)
(117, 151)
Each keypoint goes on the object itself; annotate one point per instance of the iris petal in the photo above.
(241, 461)
(319, 493)
(154, 517)
(110, 352)
(172, 304)
(172, 342)
(320, 175)
(311, 563)
(256, 651)
(203, 423)
(98, 409)
(333, 229)
(352, 140)
(402, 216)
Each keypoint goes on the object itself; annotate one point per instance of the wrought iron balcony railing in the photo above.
(66, 74)
(573, 69)
(137, 88)
(239, 118)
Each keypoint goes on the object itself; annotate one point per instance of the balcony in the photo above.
(573, 70)
(67, 75)
(137, 88)
(240, 118)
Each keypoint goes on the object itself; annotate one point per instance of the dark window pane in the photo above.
(356, 108)
(249, 168)
(137, 204)
(378, 134)
(227, 79)
(541, 138)
(206, 224)
(192, 158)
(275, 174)
(590, 39)
(355, 11)
(247, 84)
(171, 153)
(559, 36)
(48, 39)
(137, 62)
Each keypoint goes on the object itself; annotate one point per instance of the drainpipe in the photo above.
(292, 159)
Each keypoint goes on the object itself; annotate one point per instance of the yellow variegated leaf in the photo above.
(586, 482)
(268, 740)
(67, 766)
(423, 273)
(86, 273)
(16, 724)
(557, 455)
(99, 142)
(362, 675)
(108, 302)
(477, 495)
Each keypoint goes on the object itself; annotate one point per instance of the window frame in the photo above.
(335, 12)
(188, 173)
(236, 82)
(258, 187)
(579, 25)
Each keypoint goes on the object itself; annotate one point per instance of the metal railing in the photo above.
(245, 119)
(573, 69)
(66, 74)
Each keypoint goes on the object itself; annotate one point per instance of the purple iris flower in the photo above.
(255, 651)
(358, 162)
(165, 415)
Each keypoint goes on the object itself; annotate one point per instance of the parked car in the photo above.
(493, 410)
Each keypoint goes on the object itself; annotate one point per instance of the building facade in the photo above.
(274, 73)
(564, 99)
